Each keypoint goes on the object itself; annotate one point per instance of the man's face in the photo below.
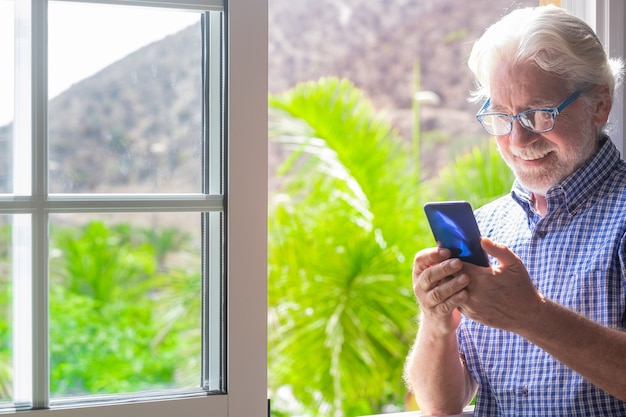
(541, 160)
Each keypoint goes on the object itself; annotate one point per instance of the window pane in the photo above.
(6, 307)
(7, 54)
(125, 109)
(125, 303)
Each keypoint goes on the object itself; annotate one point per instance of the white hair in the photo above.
(551, 38)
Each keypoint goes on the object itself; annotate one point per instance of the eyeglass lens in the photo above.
(533, 120)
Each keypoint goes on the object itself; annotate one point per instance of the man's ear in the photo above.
(603, 105)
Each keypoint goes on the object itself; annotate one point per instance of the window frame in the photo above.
(245, 208)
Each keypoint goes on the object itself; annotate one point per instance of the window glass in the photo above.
(6, 305)
(125, 302)
(125, 110)
(7, 54)
(112, 276)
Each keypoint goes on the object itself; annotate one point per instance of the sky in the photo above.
(93, 36)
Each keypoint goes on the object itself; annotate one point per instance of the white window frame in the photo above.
(245, 206)
(607, 18)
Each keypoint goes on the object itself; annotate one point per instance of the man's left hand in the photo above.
(500, 296)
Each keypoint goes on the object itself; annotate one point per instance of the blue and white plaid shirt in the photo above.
(576, 256)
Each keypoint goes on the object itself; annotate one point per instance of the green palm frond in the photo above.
(478, 176)
(339, 235)
(335, 118)
(343, 229)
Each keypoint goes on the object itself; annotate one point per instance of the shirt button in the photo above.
(542, 234)
(525, 391)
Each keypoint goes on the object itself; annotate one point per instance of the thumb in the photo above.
(504, 255)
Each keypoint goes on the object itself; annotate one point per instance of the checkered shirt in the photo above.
(576, 256)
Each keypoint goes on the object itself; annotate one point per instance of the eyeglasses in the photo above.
(534, 120)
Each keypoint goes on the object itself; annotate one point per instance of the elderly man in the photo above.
(542, 331)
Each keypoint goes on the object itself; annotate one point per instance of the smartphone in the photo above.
(454, 227)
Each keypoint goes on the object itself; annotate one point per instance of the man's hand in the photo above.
(439, 288)
(500, 296)
(440, 381)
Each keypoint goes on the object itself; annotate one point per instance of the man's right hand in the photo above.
(440, 381)
(439, 288)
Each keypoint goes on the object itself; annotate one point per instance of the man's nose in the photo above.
(521, 136)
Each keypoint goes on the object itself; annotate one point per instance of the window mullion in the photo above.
(214, 314)
(30, 338)
(41, 355)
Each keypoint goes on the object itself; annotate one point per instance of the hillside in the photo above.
(133, 122)
(131, 117)
(377, 43)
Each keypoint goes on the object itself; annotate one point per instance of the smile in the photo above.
(532, 156)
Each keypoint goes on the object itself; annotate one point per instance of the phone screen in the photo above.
(454, 227)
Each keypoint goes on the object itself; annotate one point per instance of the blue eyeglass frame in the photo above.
(554, 111)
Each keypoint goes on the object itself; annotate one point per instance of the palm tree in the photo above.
(343, 229)
(340, 241)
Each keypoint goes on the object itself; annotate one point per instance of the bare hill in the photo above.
(377, 43)
(113, 116)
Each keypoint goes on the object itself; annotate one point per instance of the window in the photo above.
(128, 196)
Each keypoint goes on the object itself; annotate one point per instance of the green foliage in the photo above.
(339, 296)
(356, 155)
(6, 381)
(477, 176)
(106, 347)
(125, 309)
(101, 263)
(6, 317)
(116, 319)
(342, 233)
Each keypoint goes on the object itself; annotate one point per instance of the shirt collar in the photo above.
(575, 189)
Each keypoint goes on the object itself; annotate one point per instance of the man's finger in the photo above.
(504, 255)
